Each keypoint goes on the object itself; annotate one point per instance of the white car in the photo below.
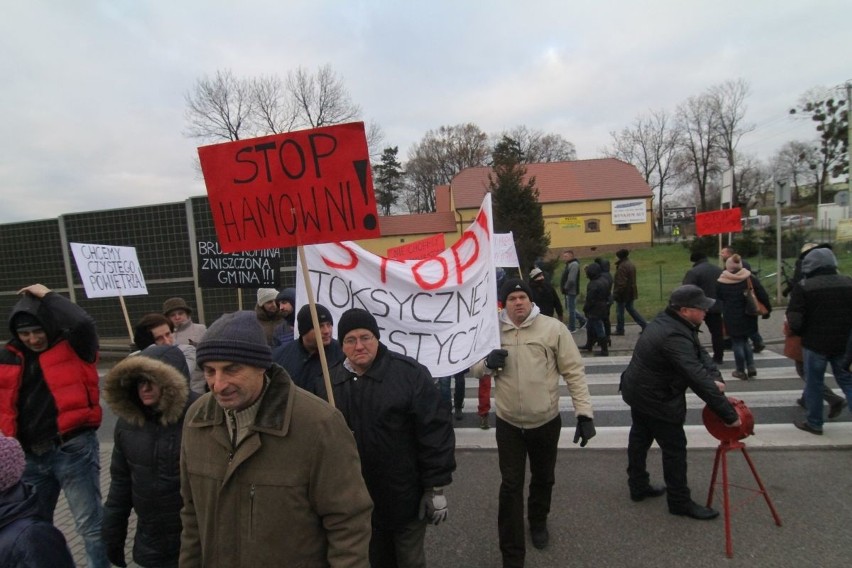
(795, 221)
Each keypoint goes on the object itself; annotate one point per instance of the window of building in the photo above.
(593, 226)
(623, 227)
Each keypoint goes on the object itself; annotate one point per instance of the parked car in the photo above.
(794, 221)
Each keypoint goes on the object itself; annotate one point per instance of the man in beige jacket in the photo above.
(526, 393)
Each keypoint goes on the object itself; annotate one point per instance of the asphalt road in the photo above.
(593, 522)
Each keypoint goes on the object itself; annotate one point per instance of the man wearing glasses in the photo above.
(667, 360)
(404, 435)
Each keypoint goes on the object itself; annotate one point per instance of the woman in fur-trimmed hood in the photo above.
(150, 394)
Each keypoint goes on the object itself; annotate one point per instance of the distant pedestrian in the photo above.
(756, 339)
(667, 360)
(157, 329)
(625, 292)
(544, 295)
(606, 276)
(454, 397)
(286, 300)
(704, 275)
(300, 358)
(271, 317)
(820, 312)
(26, 539)
(570, 284)
(186, 332)
(149, 394)
(731, 286)
(596, 308)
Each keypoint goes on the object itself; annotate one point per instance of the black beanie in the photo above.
(25, 321)
(514, 285)
(356, 318)
(304, 318)
(235, 337)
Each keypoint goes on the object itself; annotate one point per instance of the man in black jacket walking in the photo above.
(704, 275)
(667, 360)
(821, 314)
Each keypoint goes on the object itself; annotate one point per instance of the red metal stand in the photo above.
(722, 456)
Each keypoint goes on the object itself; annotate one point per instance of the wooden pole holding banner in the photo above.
(126, 316)
(240, 299)
(326, 377)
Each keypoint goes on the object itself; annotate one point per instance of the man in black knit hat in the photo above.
(259, 454)
(405, 439)
(300, 358)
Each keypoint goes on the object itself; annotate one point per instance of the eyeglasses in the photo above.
(364, 340)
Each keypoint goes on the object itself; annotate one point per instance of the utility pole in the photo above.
(849, 134)
(781, 197)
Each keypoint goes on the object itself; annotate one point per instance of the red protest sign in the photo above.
(721, 221)
(297, 188)
(423, 248)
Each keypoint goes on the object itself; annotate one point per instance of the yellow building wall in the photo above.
(566, 223)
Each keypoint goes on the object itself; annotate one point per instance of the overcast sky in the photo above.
(92, 93)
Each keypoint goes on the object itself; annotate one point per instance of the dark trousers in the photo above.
(513, 446)
(400, 548)
(717, 334)
(672, 441)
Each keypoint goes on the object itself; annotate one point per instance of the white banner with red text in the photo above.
(440, 310)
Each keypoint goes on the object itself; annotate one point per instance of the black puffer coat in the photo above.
(145, 460)
(404, 433)
(27, 540)
(729, 291)
(668, 359)
(597, 293)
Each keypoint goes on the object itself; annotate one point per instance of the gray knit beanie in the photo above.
(235, 337)
(12, 462)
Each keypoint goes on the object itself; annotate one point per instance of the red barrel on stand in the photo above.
(720, 431)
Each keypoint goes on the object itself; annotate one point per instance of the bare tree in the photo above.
(438, 157)
(650, 145)
(538, 147)
(700, 146)
(320, 99)
(793, 163)
(219, 108)
(754, 180)
(728, 109)
(274, 111)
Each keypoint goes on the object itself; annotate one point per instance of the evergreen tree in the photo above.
(388, 180)
(515, 202)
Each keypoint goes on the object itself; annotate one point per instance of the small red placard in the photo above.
(418, 250)
(721, 221)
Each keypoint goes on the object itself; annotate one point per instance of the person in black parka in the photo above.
(596, 309)
(150, 395)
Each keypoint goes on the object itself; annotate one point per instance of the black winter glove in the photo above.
(765, 316)
(115, 554)
(496, 360)
(585, 430)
